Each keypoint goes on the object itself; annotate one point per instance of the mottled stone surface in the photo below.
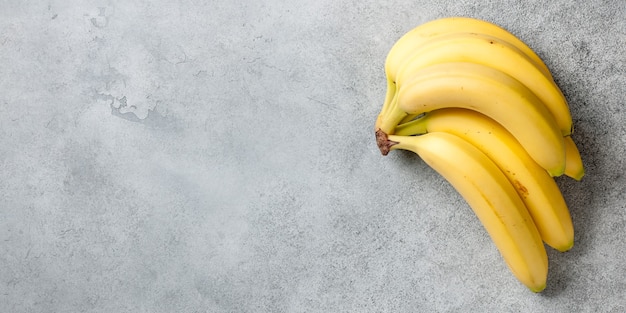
(219, 156)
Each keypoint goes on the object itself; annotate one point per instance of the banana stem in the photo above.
(414, 127)
(388, 122)
(383, 142)
(391, 92)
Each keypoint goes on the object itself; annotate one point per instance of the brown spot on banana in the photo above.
(522, 190)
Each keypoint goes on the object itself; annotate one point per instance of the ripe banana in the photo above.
(573, 163)
(488, 91)
(482, 109)
(535, 186)
(495, 53)
(491, 196)
(405, 46)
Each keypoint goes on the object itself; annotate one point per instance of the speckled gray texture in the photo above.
(219, 156)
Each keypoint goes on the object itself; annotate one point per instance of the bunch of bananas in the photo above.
(482, 109)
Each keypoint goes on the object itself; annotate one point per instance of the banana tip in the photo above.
(579, 176)
(567, 247)
(538, 289)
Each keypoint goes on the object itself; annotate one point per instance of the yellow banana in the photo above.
(405, 46)
(488, 91)
(415, 38)
(536, 187)
(491, 196)
(573, 163)
(492, 52)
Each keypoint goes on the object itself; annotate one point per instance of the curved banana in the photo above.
(488, 91)
(491, 196)
(573, 163)
(536, 187)
(404, 47)
(492, 52)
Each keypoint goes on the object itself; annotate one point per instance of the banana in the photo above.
(535, 186)
(491, 196)
(573, 163)
(492, 52)
(488, 91)
(404, 47)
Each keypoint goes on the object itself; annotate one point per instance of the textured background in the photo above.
(218, 156)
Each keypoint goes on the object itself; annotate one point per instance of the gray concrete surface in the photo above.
(218, 156)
